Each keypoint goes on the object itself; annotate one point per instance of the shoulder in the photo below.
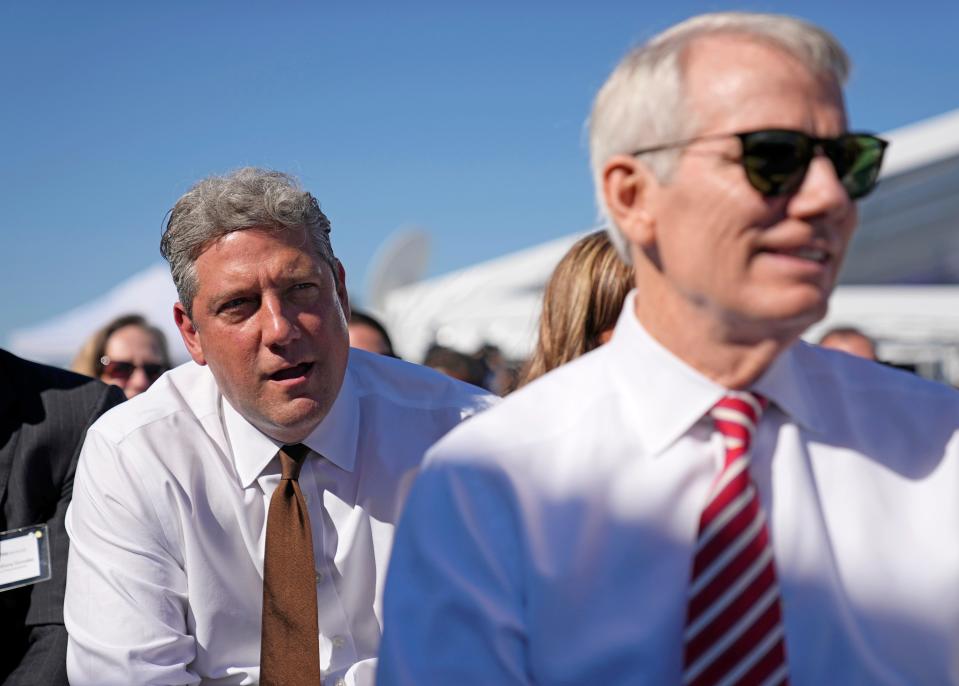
(26, 376)
(534, 428)
(878, 388)
(42, 394)
(413, 386)
(183, 396)
(892, 417)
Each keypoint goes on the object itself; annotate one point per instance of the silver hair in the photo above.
(642, 102)
(244, 199)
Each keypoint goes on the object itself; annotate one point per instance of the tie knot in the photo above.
(736, 417)
(291, 460)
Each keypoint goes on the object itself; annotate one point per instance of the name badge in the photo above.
(24, 556)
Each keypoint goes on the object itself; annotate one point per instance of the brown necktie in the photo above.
(290, 648)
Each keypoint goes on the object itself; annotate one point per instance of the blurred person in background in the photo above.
(368, 333)
(44, 415)
(849, 340)
(502, 375)
(127, 352)
(581, 303)
(456, 365)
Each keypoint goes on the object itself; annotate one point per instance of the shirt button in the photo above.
(339, 641)
(320, 577)
(340, 682)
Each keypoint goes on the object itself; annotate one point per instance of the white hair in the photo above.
(642, 102)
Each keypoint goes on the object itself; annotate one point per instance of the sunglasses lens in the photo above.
(858, 159)
(122, 371)
(775, 161)
(153, 371)
(119, 370)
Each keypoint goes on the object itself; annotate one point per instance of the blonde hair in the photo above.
(583, 298)
(642, 102)
(88, 359)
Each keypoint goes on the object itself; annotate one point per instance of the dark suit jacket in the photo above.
(44, 415)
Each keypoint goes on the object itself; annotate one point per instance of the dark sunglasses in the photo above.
(776, 160)
(122, 371)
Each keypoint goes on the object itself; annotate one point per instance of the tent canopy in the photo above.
(149, 293)
(909, 234)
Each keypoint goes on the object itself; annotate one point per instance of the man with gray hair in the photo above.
(232, 524)
(705, 499)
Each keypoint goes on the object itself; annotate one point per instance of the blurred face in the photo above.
(367, 338)
(269, 317)
(135, 360)
(851, 343)
(720, 251)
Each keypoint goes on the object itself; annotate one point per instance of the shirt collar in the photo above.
(668, 397)
(787, 384)
(334, 438)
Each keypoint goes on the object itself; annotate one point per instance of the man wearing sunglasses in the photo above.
(705, 499)
(233, 524)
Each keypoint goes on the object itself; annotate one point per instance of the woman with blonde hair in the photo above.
(581, 303)
(127, 352)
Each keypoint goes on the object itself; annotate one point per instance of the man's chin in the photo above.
(293, 421)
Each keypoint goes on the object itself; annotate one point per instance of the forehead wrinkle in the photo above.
(238, 276)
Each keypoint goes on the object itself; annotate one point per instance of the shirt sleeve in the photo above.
(453, 603)
(126, 598)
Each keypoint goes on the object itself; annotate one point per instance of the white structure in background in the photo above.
(400, 261)
(493, 302)
(909, 233)
(149, 293)
(915, 325)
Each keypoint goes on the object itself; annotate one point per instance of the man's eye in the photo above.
(234, 305)
(304, 291)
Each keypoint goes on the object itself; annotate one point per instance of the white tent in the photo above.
(493, 302)
(909, 232)
(149, 293)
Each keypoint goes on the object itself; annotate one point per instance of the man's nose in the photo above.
(821, 192)
(280, 326)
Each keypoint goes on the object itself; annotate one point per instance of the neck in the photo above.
(734, 355)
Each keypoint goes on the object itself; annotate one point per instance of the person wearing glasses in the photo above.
(126, 352)
(233, 524)
(705, 499)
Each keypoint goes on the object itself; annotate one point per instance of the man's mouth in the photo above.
(294, 372)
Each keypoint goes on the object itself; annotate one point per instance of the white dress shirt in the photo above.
(549, 541)
(168, 524)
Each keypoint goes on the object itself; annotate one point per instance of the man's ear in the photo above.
(339, 274)
(627, 187)
(188, 332)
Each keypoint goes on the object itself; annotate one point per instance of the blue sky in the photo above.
(462, 118)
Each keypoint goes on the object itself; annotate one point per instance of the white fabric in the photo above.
(168, 524)
(549, 541)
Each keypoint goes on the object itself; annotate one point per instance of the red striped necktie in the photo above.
(734, 629)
